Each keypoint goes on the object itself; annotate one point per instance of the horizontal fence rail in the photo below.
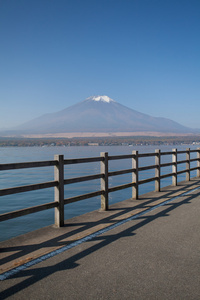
(59, 181)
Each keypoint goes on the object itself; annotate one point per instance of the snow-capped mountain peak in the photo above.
(99, 114)
(101, 98)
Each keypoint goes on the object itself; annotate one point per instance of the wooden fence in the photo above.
(59, 181)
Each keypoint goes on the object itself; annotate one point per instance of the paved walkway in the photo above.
(131, 251)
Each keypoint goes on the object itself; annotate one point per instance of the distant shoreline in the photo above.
(139, 138)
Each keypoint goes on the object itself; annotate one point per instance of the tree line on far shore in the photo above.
(107, 141)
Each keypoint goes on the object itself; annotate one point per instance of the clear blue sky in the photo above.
(144, 54)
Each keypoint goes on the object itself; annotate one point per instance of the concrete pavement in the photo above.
(153, 256)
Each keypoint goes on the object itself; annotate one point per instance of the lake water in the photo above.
(21, 225)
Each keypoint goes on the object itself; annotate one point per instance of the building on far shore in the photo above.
(93, 144)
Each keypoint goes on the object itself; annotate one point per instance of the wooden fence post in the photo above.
(157, 170)
(188, 164)
(198, 162)
(104, 181)
(59, 190)
(174, 167)
(135, 175)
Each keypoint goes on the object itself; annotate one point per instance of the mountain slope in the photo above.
(99, 114)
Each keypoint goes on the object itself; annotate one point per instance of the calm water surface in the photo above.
(14, 178)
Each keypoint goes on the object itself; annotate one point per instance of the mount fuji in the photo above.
(99, 114)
